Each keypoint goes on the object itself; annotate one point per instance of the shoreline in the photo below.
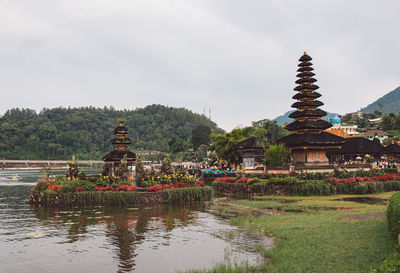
(33, 168)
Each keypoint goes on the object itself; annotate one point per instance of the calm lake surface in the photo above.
(158, 238)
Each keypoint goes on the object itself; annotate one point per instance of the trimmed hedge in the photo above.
(189, 194)
(295, 186)
(393, 216)
(392, 263)
(291, 186)
(91, 198)
(323, 175)
(83, 198)
(230, 188)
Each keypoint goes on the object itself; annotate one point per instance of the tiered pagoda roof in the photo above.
(120, 142)
(252, 143)
(357, 146)
(308, 126)
(393, 148)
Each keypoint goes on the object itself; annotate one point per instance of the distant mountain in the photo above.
(285, 117)
(389, 103)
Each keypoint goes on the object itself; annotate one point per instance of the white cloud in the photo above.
(239, 59)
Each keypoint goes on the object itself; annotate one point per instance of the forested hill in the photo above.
(59, 133)
(389, 103)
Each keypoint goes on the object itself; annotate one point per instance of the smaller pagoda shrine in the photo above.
(252, 152)
(308, 141)
(120, 142)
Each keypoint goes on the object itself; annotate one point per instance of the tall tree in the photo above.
(200, 135)
(224, 145)
(273, 131)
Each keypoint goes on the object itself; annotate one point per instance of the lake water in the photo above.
(157, 238)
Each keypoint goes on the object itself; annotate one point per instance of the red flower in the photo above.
(351, 180)
(226, 179)
(243, 180)
(155, 188)
(78, 188)
(101, 188)
(200, 184)
(55, 188)
(126, 188)
(159, 187)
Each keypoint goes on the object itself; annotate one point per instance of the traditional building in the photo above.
(373, 123)
(356, 149)
(252, 152)
(120, 143)
(308, 141)
(379, 134)
(391, 152)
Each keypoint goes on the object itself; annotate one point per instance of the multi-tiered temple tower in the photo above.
(308, 141)
(120, 143)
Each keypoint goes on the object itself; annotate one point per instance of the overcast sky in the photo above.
(238, 58)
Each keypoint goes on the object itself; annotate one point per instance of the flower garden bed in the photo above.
(307, 187)
(62, 192)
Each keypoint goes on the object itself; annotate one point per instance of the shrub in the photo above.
(189, 194)
(253, 180)
(42, 185)
(393, 216)
(146, 184)
(321, 175)
(231, 188)
(277, 154)
(360, 189)
(66, 188)
(372, 188)
(85, 184)
(292, 186)
(390, 170)
(392, 186)
(102, 182)
(390, 265)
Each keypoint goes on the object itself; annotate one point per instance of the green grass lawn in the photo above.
(315, 238)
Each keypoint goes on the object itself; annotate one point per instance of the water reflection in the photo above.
(118, 239)
(125, 228)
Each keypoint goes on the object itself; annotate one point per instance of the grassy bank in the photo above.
(323, 235)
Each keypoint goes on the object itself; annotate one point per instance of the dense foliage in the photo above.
(390, 265)
(393, 216)
(324, 175)
(391, 122)
(277, 155)
(224, 145)
(61, 132)
(273, 131)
